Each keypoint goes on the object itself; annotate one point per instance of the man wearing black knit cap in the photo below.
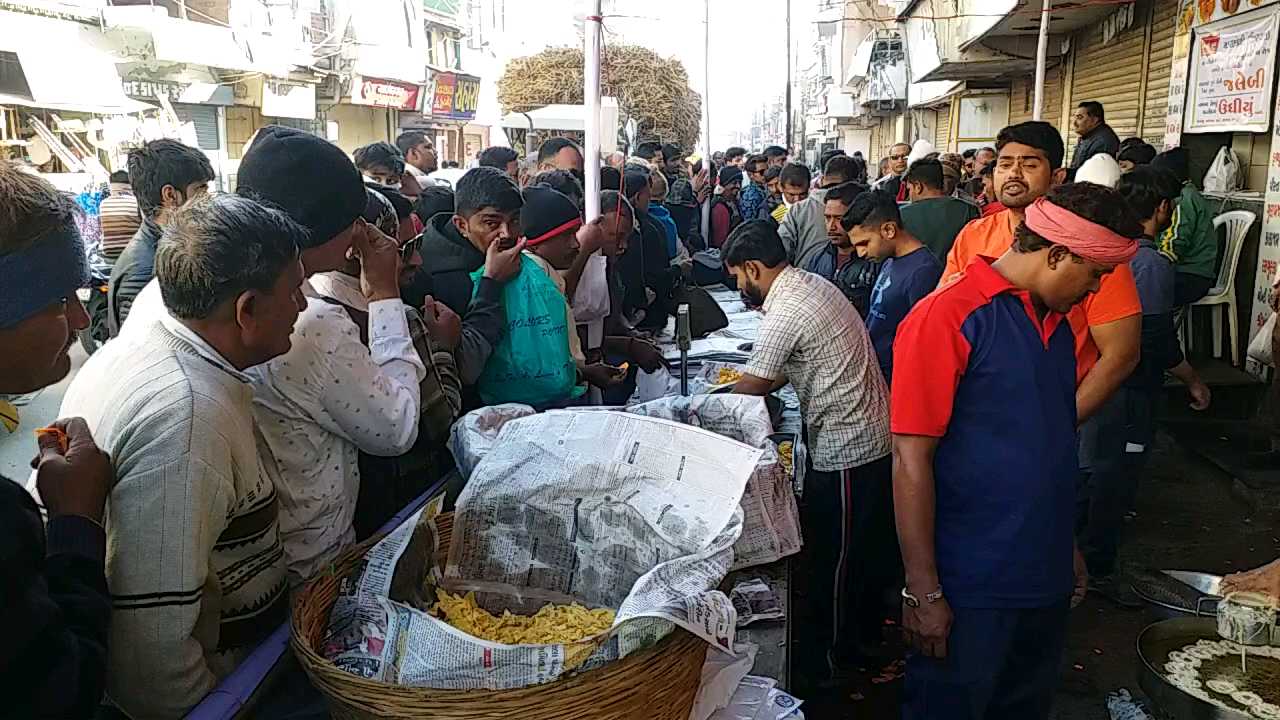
(332, 396)
(308, 178)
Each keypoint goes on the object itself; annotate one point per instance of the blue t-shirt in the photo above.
(978, 370)
(902, 283)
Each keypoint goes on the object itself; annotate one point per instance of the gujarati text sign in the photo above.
(1232, 71)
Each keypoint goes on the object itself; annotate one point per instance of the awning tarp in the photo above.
(67, 65)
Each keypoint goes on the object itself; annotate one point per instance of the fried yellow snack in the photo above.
(63, 441)
(728, 375)
(553, 624)
(786, 455)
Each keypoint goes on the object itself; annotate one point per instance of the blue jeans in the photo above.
(1002, 663)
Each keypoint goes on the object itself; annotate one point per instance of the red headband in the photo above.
(571, 225)
(1085, 238)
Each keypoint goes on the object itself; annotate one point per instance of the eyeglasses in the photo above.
(896, 158)
(410, 247)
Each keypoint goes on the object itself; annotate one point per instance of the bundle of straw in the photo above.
(652, 90)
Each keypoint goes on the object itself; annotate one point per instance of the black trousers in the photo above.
(849, 562)
(1188, 288)
(1113, 448)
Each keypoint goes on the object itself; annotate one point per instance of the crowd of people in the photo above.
(976, 341)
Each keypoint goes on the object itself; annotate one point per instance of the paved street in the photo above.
(1190, 515)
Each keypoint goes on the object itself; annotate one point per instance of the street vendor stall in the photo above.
(758, 585)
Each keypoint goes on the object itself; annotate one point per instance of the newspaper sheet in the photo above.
(605, 509)
(771, 520)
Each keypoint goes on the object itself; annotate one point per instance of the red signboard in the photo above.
(385, 93)
(455, 96)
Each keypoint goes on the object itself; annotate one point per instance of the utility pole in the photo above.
(706, 114)
(1042, 51)
(591, 101)
(787, 142)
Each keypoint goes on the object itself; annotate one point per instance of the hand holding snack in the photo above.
(72, 474)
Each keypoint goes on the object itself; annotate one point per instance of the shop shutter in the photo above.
(1022, 97)
(942, 129)
(1110, 73)
(205, 118)
(1159, 62)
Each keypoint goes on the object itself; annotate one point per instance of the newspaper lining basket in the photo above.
(658, 683)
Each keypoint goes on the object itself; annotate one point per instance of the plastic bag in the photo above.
(758, 698)
(531, 364)
(473, 435)
(721, 675)
(1260, 345)
(1224, 173)
(591, 299)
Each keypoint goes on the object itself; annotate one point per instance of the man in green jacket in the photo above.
(1189, 241)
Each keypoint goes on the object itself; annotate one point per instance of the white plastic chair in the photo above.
(1222, 296)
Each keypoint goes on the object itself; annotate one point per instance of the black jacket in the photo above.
(448, 260)
(1101, 139)
(856, 279)
(54, 611)
(133, 270)
(645, 265)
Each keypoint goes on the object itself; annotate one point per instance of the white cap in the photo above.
(1101, 169)
(919, 150)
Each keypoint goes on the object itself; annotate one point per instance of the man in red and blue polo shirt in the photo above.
(983, 413)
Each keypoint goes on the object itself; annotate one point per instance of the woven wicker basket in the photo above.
(658, 683)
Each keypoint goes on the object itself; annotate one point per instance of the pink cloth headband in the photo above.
(1085, 238)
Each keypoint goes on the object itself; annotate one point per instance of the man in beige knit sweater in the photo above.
(194, 561)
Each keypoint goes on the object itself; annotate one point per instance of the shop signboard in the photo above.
(455, 96)
(281, 98)
(1268, 252)
(194, 93)
(1232, 72)
(385, 93)
(1207, 11)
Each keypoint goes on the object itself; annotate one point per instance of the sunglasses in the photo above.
(896, 158)
(410, 247)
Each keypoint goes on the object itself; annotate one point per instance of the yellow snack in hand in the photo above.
(553, 624)
(728, 375)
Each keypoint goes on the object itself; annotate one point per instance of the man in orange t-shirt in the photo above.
(1108, 324)
(1107, 327)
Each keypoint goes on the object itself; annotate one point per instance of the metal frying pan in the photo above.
(1154, 644)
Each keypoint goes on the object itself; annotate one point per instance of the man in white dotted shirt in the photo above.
(331, 396)
(812, 338)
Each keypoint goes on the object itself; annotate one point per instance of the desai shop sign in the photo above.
(385, 93)
(1232, 73)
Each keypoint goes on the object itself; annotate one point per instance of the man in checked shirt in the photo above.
(812, 338)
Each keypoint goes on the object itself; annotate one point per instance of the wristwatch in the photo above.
(913, 601)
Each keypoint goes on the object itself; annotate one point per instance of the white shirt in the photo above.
(325, 400)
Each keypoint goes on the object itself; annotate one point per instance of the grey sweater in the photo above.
(804, 230)
(194, 562)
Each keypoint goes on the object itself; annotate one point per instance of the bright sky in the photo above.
(748, 44)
